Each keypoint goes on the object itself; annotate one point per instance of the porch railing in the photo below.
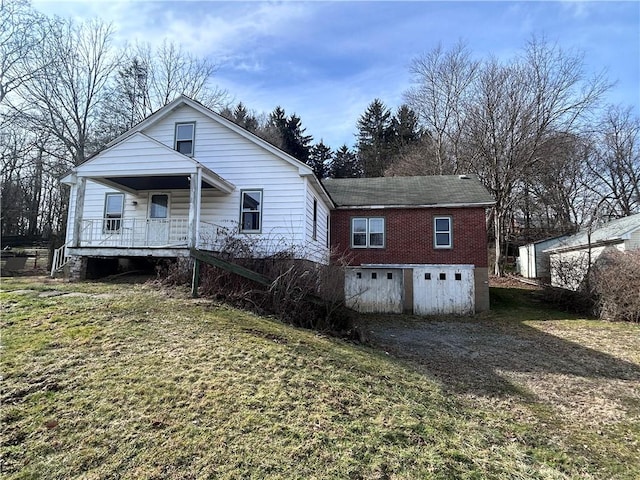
(152, 232)
(134, 232)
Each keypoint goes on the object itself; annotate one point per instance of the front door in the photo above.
(158, 221)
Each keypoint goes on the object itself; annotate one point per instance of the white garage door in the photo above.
(443, 289)
(374, 290)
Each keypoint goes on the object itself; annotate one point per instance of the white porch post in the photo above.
(79, 207)
(194, 207)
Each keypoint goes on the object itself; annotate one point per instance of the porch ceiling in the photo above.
(136, 182)
(164, 182)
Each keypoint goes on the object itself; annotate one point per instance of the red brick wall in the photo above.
(409, 236)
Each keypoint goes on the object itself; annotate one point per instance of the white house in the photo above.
(570, 259)
(184, 178)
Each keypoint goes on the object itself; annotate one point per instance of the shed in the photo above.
(570, 259)
(533, 261)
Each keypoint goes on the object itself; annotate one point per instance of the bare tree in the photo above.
(615, 163)
(64, 99)
(22, 33)
(442, 82)
(147, 79)
(517, 107)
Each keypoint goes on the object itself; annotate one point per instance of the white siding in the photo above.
(247, 165)
(568, 269)
(316, 249)
(633, 242)
(533, 261)
(135, 154)
(71, 214)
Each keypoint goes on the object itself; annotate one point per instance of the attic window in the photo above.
(185, 134)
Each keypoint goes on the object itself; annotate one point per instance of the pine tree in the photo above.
(288, 134)
(241, 116)
(345, 164)
(320, 159)
(405, 130)
(374, 133)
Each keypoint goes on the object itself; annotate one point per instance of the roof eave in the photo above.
(582, 246)
(430, 205)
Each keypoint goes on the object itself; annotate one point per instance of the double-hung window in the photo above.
(185, 135)
(113, 208)
(442, 232)
(367, 232)
(251, 211)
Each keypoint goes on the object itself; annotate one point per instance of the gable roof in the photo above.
(615, 231)
(303, 169)
(422, 191)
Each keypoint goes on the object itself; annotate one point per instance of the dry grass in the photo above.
(130, 381)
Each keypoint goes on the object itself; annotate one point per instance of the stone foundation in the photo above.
(77, 268)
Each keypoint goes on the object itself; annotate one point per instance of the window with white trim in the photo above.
(367, 232)
(113, 209)
(442, 232)
(251, 211)
(185, 135)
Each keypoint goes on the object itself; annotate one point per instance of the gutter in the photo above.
(429, 205)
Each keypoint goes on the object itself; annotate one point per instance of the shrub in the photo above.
(300, 292)
(616, 284)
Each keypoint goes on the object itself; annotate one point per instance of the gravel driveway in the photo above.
(578, 369)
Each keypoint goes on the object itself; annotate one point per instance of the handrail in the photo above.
(60, 259)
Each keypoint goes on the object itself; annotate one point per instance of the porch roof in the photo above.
(140, 163)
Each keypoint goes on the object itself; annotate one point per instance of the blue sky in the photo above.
(326, 61)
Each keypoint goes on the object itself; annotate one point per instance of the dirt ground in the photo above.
(583, 370)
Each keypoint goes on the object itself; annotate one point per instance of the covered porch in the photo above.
(152, 202)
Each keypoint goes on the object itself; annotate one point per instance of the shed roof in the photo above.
(436, 190)
(611, 232)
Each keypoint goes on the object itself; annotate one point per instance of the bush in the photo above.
(300, 292)
(616, 284)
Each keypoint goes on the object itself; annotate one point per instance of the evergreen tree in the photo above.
(288, 134)
(241, 116)
(345, 164)
(374, 133)
(405, 130)
(320, 159)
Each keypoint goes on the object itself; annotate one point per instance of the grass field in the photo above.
(134, 381)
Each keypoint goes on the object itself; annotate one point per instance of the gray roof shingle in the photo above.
(408, 191)
(613, 231)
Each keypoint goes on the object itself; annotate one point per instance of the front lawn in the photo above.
(134, 381)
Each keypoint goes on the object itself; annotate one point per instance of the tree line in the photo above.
(533, 127)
